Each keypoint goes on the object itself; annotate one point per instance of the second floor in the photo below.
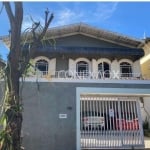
(80, 51)
(85, 68)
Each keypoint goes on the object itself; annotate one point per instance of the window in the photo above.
(126, 69)
(82, 68)
(42, 65)
(104, 70)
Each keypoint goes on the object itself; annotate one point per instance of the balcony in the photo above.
(65, 76)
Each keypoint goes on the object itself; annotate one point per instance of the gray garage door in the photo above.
(110, 122)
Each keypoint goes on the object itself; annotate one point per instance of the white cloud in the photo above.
(99, 13)
(67, 16)
(26, 23)
(105, 10)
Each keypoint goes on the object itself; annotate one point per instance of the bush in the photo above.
(146, 124)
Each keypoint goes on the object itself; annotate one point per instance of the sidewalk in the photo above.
(147, 142)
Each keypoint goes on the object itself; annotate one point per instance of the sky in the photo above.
(128, 18)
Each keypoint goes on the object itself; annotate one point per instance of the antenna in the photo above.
(144, 35)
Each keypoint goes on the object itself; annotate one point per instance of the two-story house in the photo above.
(85, 92)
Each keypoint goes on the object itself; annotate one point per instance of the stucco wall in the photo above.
(145, 67)
(145, 61)
(42, 128)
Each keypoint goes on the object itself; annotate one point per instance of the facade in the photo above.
(145, 68)
(85, 91)
(145, 61)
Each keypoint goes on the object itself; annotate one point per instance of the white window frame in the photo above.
(126, 74)
(89, 67)
(84, 64)
(44, 63)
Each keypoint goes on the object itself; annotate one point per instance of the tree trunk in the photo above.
(13, 110)
(14, 70)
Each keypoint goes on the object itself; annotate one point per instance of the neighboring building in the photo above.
(145, 61)
(145, 68)
(86, 91)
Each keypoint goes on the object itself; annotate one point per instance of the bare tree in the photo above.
(16, 65)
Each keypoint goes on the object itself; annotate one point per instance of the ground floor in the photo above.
(78, 116)
(110, 122)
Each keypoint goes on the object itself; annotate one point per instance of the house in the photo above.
(145, 69)
(85, 91)
(145, 60)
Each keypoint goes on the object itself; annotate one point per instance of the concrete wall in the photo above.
(43, 102)
(42, 128)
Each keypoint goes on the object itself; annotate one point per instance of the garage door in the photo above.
(110, 122)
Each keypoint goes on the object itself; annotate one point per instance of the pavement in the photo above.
(147, 142)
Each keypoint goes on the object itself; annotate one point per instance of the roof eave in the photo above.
(108, 36)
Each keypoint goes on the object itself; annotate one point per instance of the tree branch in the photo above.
(46, 15)
(34, 27)
(47, 23)
(37, 37)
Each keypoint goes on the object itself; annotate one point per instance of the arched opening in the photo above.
(126, 69)
(42, 65)
(104, 70)
(82, 68)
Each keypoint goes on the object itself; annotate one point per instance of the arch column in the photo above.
(52, 66)
(115, 69)
(72, 67)
(94, 68)
(136, 69)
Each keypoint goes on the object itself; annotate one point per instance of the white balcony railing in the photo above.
(87, 75)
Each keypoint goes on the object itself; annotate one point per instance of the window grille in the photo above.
(42, 66)
(82, 69)
(126, 69)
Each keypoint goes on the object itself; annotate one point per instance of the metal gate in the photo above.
(110, 122)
